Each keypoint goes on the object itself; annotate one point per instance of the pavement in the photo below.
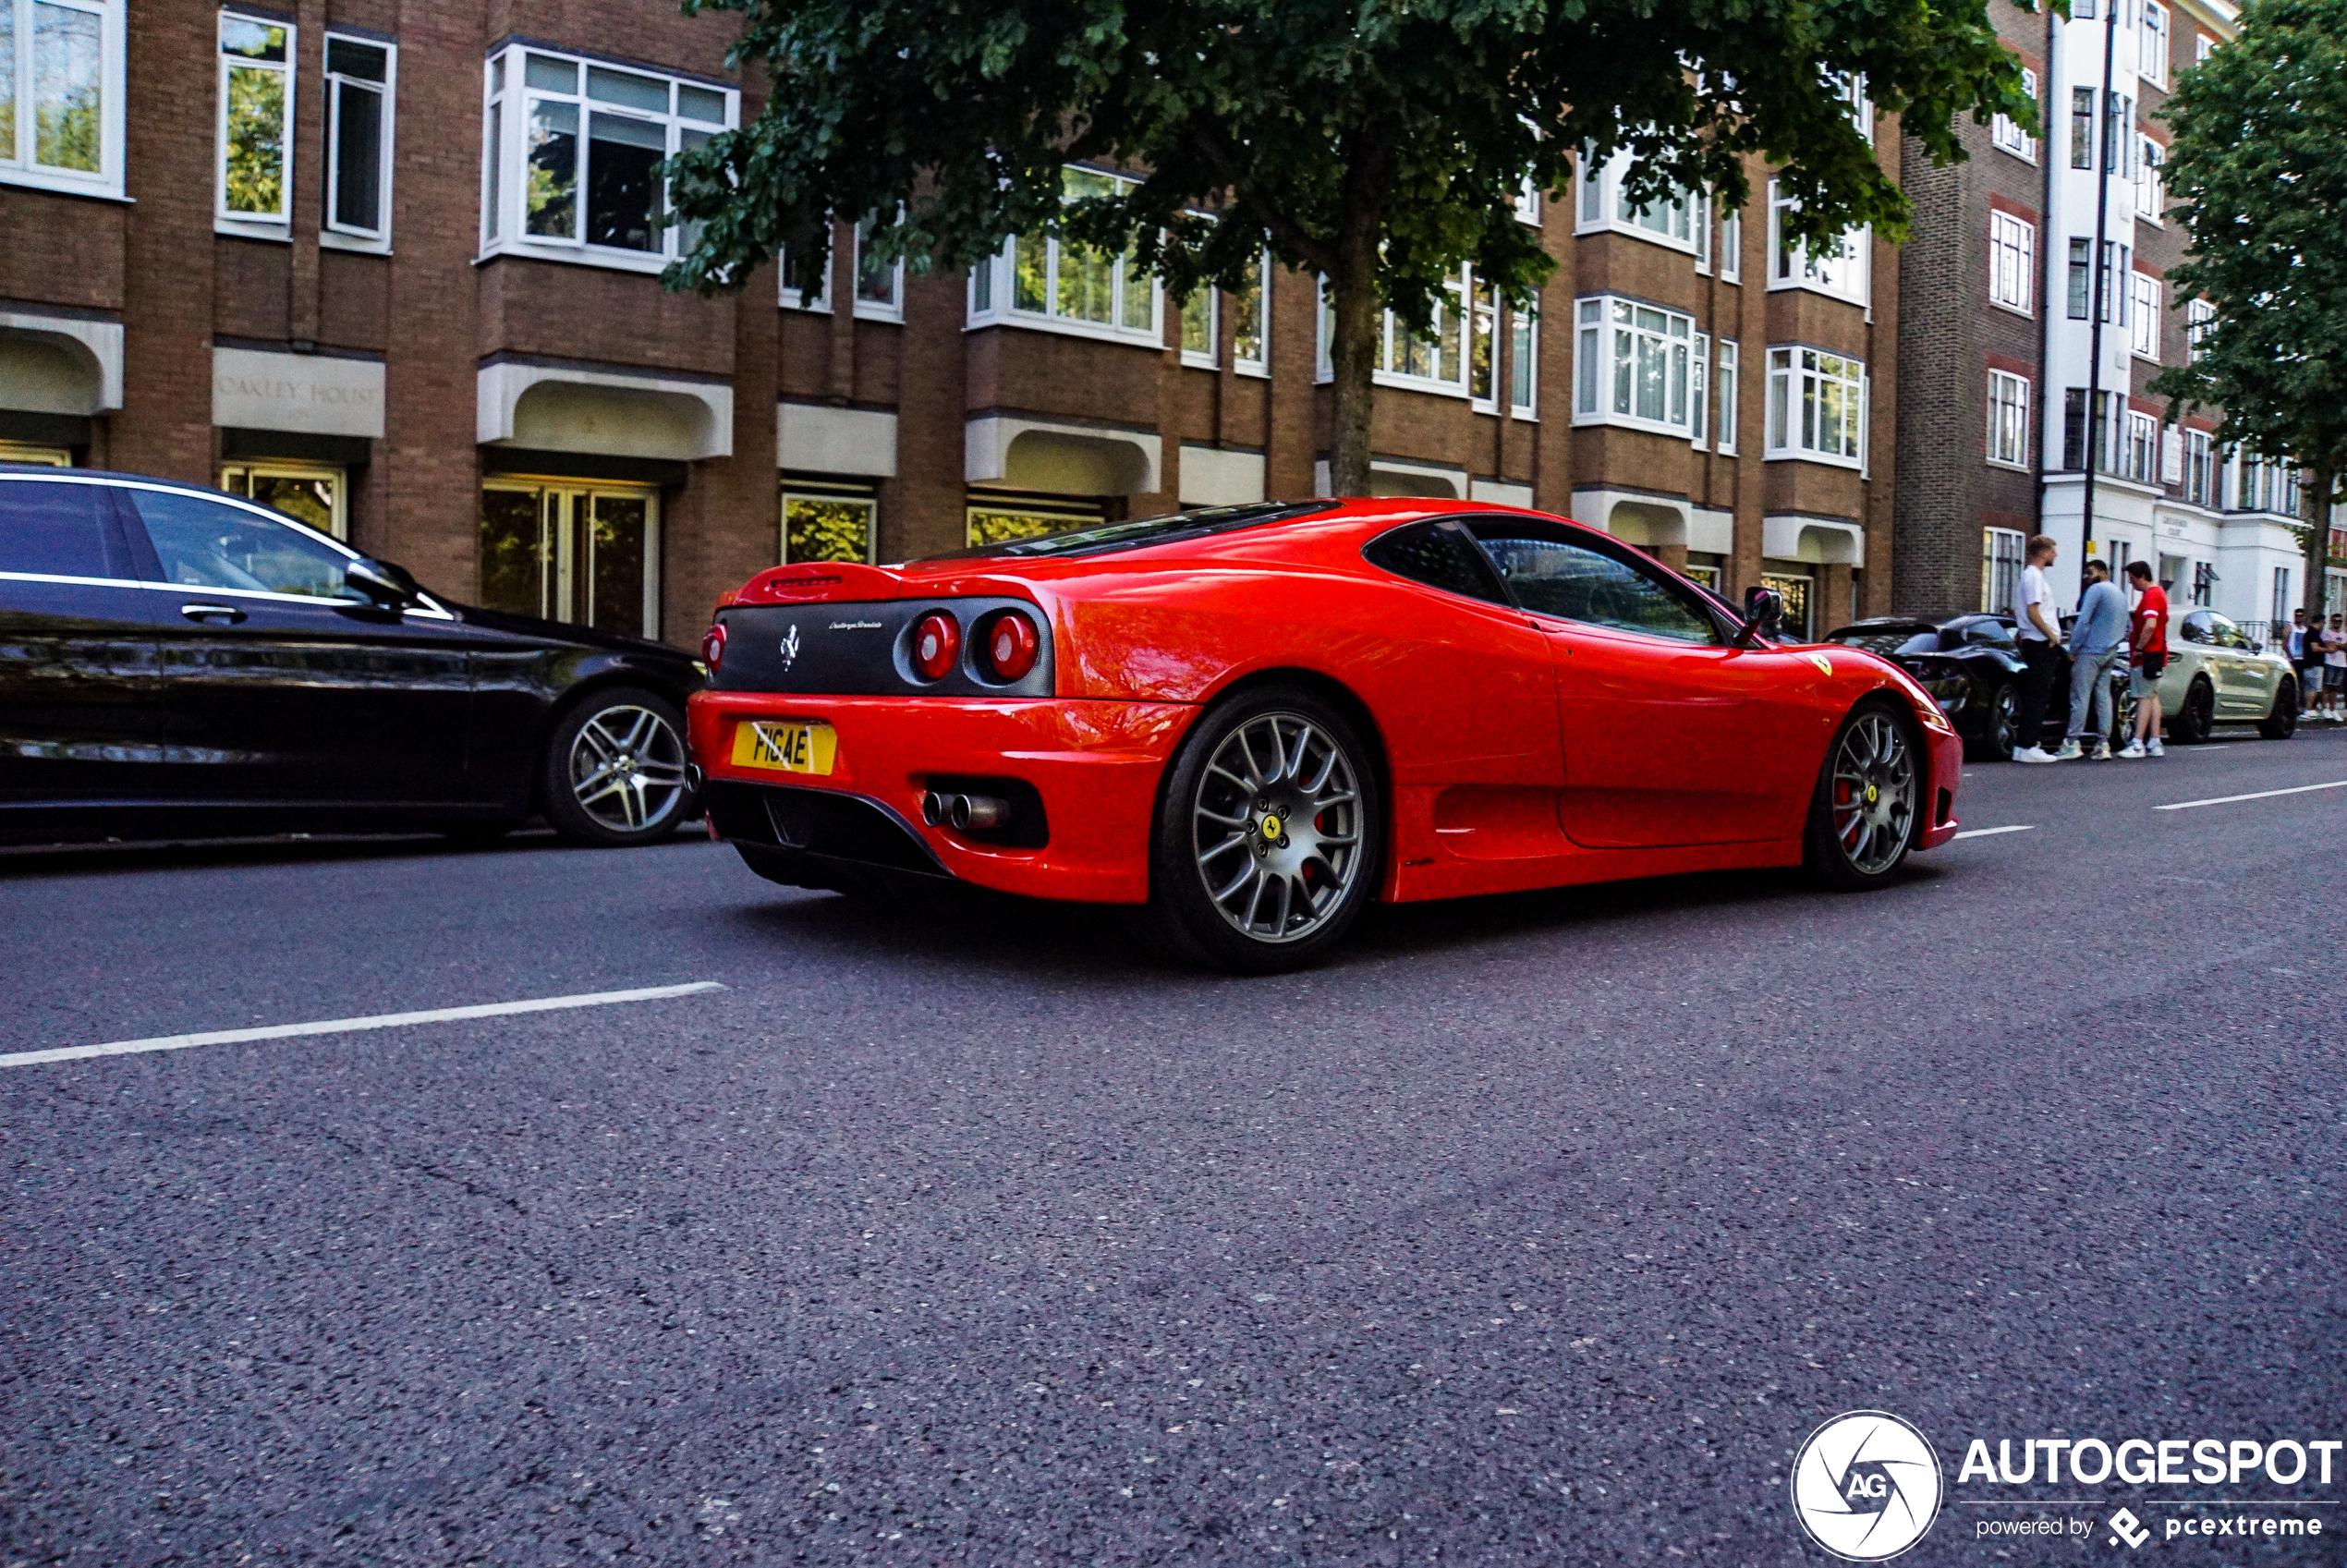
(1532, 1230)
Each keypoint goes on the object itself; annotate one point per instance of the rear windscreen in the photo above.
(1202, 523)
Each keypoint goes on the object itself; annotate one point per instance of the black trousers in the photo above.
(2037, 683)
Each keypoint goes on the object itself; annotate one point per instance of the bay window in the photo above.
(573, 148)
(2006, 133)
(1041, 280)
(1817, 406)
(1457, 358)
(1203, 317)
(1605, 204)
(360, 92)
(1840, 271)
(1634, 365)
(61, 86)
(255, 143)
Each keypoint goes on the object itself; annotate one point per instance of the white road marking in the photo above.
(348, 1026)
(1991, 832)
(2261, 795)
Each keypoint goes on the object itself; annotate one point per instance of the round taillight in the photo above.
(712, 647)
(937, 642)
(1011, 646)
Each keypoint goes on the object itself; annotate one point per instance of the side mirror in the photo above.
(380, 583)
(1763, 617)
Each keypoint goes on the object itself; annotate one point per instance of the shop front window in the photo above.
(585, 554)
(304, 492)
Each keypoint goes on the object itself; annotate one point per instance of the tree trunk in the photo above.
(2316, 494)
(1355, 314)
(1353, 323)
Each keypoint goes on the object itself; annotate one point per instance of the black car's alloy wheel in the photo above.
(2197, 716)
(1266, 841)
(1862, 821)
(1996, 731)
(2282, 722)
(615, 771)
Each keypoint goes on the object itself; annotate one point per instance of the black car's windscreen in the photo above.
(1203, 523)
(1899, 639)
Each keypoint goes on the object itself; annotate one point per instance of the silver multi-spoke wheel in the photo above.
(627, 769)
(1872, 792)
(1276, 827)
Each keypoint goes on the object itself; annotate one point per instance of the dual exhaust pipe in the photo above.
(970, 813)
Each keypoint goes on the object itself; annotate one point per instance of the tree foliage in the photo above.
(1380, 144)
(2258, 167)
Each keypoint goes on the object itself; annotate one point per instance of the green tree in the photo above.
(2258, 167)
(1380, 144)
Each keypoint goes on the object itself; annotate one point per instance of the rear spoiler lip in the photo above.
(817, 582)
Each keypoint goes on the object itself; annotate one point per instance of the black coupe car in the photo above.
(1970, 666)
(176, 660)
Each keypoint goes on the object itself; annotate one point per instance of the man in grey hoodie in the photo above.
(2095, 642)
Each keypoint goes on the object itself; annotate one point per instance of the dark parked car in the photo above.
(175, 660)
(1970, 666)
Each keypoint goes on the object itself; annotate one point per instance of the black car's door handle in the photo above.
(209, 614)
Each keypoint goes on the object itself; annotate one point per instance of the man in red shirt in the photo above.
(2147, 637)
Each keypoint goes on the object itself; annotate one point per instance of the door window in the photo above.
(578, 553)
(206, 543)
(58, 531)
(1439, 555)
(1553, 577)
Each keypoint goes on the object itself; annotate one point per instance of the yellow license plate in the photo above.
(787, 747)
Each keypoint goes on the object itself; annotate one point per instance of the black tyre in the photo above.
(614, 773)
(2197, 716)
(2282, 722)
(2122, 708)
(1268, 829)
(1995, 742)
(1862, 820)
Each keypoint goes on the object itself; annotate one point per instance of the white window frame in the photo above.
(333, 232)
(1700, 399)
(1260, 363)
(253, 225)
(2013, 262)
(1840, 276)
(2005, 133)
(1000, 290)
(1527, 203)
(1731, 246)
(2203, 483)
(2007, 420)
(24, 168)
(1207, 301)
(2199, 316)
(2139, 449)
(2151, 52)
(1606, 328)
(1597, 207)
(1800, 362)
(2143, 315)
(1725, 383)
(2002, 560)
(1524, 363)
(2151, 184)
(871, 310)
(508, 99)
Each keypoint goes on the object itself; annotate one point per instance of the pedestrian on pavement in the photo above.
(2039, 626)
(2147, 637)
(2096, 641)
(2306, 659)
(2335, 667)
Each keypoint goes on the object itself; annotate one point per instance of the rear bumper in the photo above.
(1094, 766)
(1946, 771)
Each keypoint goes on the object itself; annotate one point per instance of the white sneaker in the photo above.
(2031, 754)
(2133, 748)
(2153, 749)
(2070, 752)
(2101, 752)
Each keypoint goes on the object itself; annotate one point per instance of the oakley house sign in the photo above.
(312, 393)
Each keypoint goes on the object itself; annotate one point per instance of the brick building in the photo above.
(392, 265)
(1998, 399)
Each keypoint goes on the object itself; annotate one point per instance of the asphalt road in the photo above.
(1535, 1230)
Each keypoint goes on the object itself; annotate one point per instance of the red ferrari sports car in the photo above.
(1248, 722)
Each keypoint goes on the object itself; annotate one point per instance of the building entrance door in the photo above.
(587, 554)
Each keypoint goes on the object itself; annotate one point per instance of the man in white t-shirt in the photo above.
(2037, 621)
